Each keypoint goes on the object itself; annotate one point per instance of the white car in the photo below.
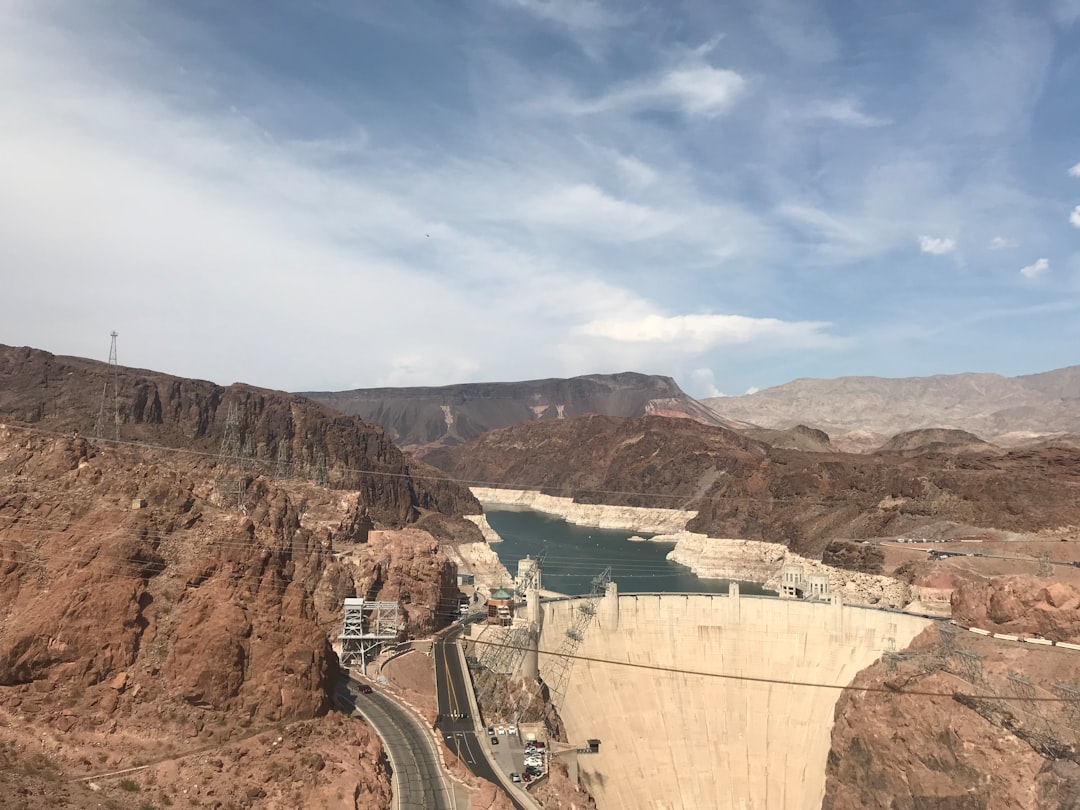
(500, 729)
(511, 730)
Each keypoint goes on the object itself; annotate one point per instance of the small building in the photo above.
(500, 607)
(465, 579)
(791, 582)
(817, 586)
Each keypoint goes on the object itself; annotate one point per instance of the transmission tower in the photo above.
(322, 476)
(233, 452)
(561, 661)
(281, 469)
(112, 375)
(1045, 568)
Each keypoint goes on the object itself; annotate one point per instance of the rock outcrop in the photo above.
(1020, 605)
(945, 744)
(286, 434)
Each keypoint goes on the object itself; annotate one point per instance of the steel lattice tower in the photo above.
(112, 375)
(561, 661)
(233, 452)
(281, 469)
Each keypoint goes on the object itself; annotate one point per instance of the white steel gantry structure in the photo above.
(365, 626)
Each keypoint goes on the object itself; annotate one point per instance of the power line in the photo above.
(776, 681)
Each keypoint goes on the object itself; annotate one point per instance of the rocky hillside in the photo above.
(419, 418)
(150, 617)
(284, 433)
(988, 732)
(936, 440)
(748, 489)
(859, 413)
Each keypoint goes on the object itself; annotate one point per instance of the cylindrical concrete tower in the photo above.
(530, 664)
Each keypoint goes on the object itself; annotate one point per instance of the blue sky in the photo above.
(348, 194)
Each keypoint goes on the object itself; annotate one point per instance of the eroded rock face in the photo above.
(409, 567)
(891, 750)
(142, 616)
(1020, 605)
(63, 394)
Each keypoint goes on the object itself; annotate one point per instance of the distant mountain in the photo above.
(936, 440)
(423, 418)
(860, 413)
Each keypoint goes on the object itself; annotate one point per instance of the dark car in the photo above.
(494, 740)
(365, 689)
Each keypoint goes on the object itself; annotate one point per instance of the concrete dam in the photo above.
(673, 740)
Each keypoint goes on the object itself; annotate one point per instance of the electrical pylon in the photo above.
(281, 469)
(561, 661)
(112, 374)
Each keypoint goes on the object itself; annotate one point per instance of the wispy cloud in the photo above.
(1038, 268)
(1002, 243)
(937, 245)
(588, 210)
(696, 91)
(841, 111)
(695, 332)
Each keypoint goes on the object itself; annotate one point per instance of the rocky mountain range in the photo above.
(421, 418)
(748, 489)
(861, 413)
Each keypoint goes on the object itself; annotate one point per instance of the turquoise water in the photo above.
(576, 554)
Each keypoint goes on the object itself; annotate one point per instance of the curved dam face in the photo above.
(675, 740)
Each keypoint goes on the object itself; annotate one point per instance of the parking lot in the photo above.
(527, 759)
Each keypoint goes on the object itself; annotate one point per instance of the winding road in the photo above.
(418, 779)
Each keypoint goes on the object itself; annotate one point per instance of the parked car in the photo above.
(511, 730)
(501, 729)
(494, 740)
(491, 730)
(515, 777)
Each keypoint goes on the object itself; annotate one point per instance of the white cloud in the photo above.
(699, 90)
(705, 383)
(1002, 243)
(1075, 171)
(842, 111)
(589, 210)
(1074, 217)
(698, 332)
(1035, 270)
(936, 245)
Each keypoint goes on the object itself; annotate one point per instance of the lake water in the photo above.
(576, 554)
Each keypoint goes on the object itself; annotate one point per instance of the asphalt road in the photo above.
(454, 722)
(420, 784)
